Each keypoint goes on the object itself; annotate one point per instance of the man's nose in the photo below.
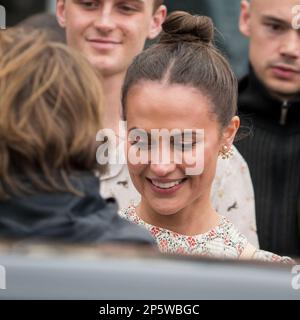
(105, 20)
(290, 46)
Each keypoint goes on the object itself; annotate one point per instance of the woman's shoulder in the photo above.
(267, 256)
(250, 252)
(129, 213)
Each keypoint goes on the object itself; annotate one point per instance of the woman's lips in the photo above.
(165, 191)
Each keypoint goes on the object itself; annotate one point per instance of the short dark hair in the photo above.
(186, 55)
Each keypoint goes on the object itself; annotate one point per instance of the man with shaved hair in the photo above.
(110, 33)
(269, 96)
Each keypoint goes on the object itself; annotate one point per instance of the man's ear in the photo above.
(157, 20)
(230, 132)
(244, 22)
(61, 12)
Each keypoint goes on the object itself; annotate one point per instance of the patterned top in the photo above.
(223, 241)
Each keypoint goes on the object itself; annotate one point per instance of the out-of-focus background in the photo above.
(225, 14)
(17, 10)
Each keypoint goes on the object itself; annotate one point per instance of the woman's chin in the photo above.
(165, 209)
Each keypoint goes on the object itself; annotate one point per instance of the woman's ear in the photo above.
(230, 131)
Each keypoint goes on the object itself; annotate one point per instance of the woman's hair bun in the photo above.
(180, 26)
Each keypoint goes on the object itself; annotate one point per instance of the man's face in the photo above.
(110, 33)
(274, 44)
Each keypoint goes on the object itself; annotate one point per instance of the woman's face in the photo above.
(166, 186)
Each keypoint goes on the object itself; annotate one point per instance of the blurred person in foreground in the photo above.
(110, 33)
(46, 22)
(51, 104)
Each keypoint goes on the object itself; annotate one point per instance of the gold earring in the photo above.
(226, 152)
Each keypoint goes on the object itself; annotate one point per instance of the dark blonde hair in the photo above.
(186, 55)
(50, 112)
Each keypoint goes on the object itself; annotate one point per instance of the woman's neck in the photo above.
(197, 218)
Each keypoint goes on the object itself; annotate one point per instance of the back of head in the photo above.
(46, 22)
(186, 55)
(50, 110)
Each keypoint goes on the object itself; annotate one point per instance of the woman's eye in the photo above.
(140, 143)
(185, 146)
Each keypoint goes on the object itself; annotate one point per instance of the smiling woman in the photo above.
(192, 87)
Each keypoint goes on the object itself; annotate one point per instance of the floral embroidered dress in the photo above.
(223, 241)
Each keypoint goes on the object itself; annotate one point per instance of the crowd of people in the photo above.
(61, 85)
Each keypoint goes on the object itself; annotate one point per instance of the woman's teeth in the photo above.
(166, 185)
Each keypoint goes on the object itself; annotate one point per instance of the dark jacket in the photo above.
(67, 218)
(272, 152)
